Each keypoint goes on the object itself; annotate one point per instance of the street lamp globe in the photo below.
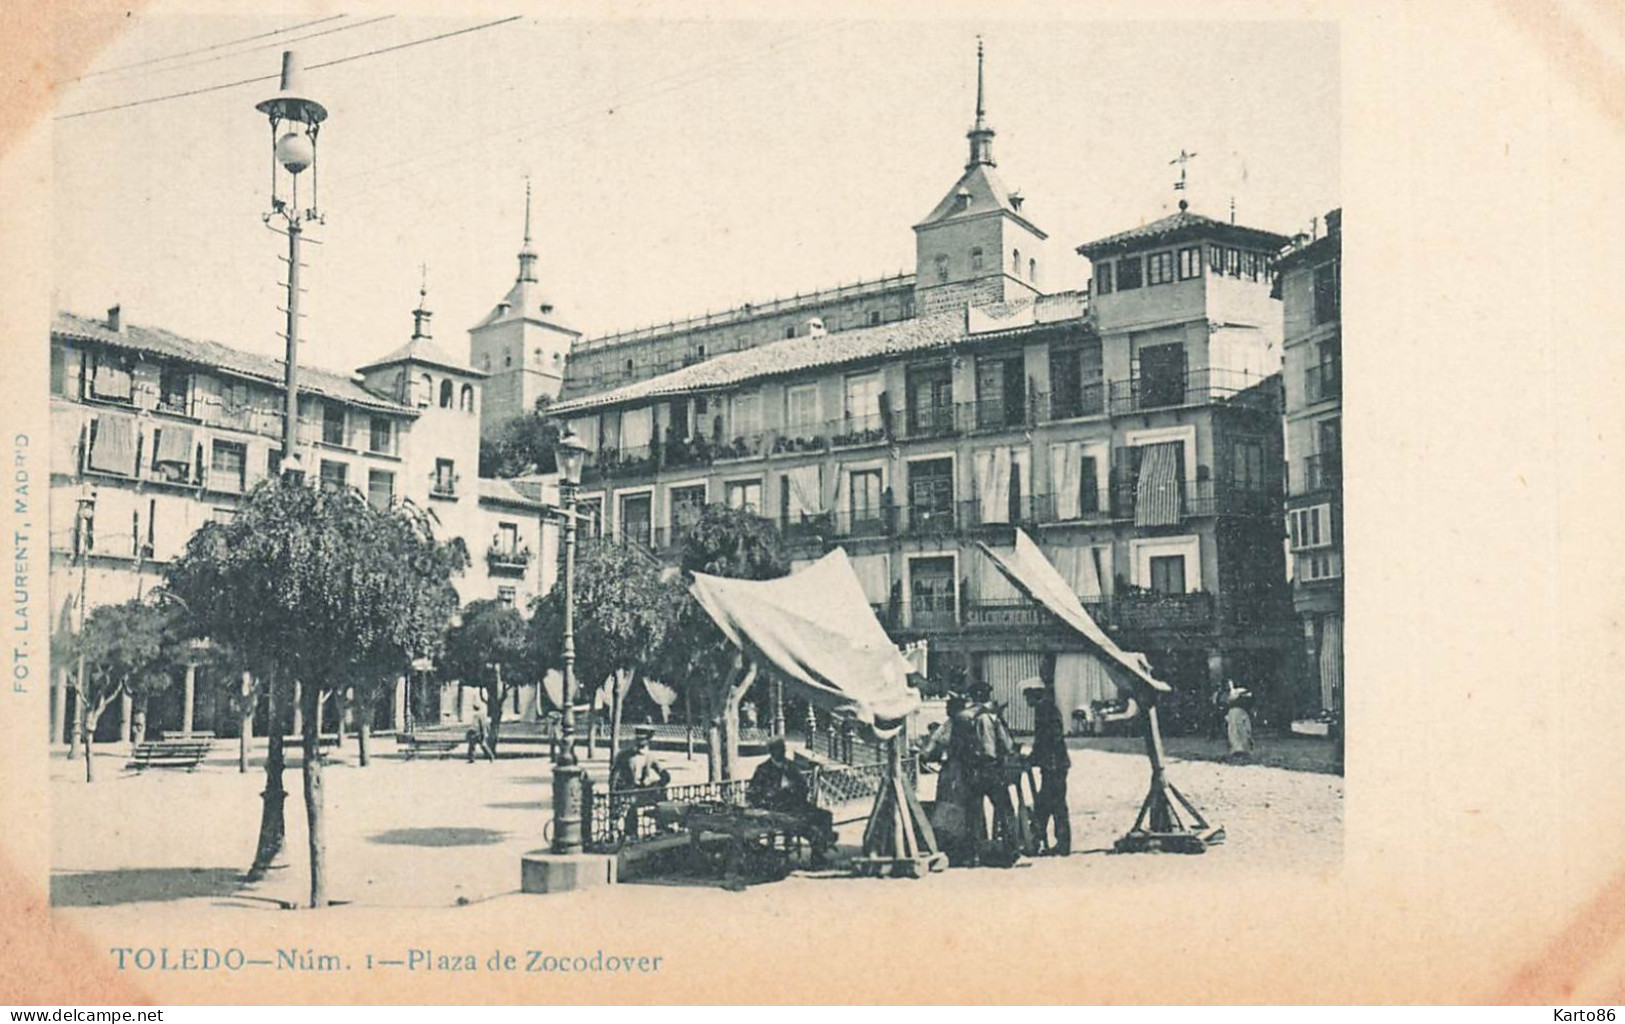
(294, 152)
(570, 453)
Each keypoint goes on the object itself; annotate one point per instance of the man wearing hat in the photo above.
(1049, 755)
(990, 751)
(776, 785)
(635, 768)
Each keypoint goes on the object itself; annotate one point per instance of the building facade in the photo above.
(1134, 433)
(159, 434)
(1311, 288)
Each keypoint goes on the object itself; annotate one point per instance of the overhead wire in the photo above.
(472, 147)
(271, 78)
(202, 49)
(266, 46)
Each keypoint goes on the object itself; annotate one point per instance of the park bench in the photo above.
(442, 743)
(186, 754)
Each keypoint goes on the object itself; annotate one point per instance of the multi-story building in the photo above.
(167, 433)
(1311, 294)
(1135, 434)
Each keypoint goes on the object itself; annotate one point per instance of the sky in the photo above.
(677, 167)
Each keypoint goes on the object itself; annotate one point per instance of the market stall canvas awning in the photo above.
(1033, 575)
(816, 628)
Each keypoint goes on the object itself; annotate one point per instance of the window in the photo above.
(590, 517)
(506, 541)
(801, 408)
(174, 390)
(874, 317)
(1032, 270)
(381, 438)
(637, 518)
(59, 370)
(1314, 566)
(446, 389)
(506, 596)
(226, 462)
(1232, 262)
(332, 423)
(930, 400)
(334, 475)
(380, 488)
(1001, 391)
(1328, 291)
(931, 491)
(1162, 376)
(931, 591)
(1190, 262)
(1168, 574)
(863, 401)
(466, 399)
(1215, 259)
(1103, 278)
(1015, 262)
(687, 505)
(1310, 527)
(425, 391)
(975, 260)
(1128, 273)
(942, 269)
(1247, 466)
(865, 501)
(1088, 485)
(790, 332)
(445, 478)
(745, 495)
(747, 414)
(112, 381)
(1159, 268)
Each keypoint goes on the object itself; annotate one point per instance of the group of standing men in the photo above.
(982, 767)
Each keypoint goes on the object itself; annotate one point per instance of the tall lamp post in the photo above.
(568, 776)
(295, 121)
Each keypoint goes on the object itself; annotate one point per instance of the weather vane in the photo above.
(1182, 159)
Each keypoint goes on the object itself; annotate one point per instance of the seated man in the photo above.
(776, 785)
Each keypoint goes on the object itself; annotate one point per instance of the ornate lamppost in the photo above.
(568, 776)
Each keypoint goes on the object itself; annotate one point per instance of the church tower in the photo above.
(519, 346)
(976, 246)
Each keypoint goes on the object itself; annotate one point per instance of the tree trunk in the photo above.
(615, 715)
(315, 825)
(88, 727)
(245, 731)
(139, 734)
(272, 824)
(341, 706)
(76, 726)
(713, 737)
(730, 721)
(688, 720)
(495, 697)
(363, 733)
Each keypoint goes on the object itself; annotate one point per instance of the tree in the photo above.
(723, 542)
(524, 444)
(619, 617)
(318, 586)
(489, 647)
(131, 648)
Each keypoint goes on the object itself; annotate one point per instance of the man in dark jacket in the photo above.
(1049, 755)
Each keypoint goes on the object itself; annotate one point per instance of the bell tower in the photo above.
(520, 345)
(976, 246)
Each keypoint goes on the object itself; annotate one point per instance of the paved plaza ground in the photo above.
(441, 833)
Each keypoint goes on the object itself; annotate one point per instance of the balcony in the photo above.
(1088, 400)
(444, 487)
(1322, 472)
(1024, 614)
(1322, 383)
(1146, 610)
(501, 558)
(932, 612)
(1168, 391)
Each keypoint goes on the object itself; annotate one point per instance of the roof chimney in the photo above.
(815, 328)
(1334, 222)
(115, 321)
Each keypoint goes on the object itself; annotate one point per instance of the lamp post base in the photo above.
(569, 796)
(542, 871)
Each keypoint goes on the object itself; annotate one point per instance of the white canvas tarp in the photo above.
(1033, 574)
(816, 629)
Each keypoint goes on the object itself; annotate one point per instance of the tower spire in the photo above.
(527, 255)
(981, 133)
(421, 315)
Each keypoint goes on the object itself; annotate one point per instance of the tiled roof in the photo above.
(794, 355)
(983, 192)
(1325, 245)
(424, 350)
(1183, 224)
(505, 490)
(213, 355)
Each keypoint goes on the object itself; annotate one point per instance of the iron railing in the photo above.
(1322, 472)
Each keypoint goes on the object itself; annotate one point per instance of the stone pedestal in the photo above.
(541, 871)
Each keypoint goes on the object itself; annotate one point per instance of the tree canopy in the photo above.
(524, 444)
(619, 614)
